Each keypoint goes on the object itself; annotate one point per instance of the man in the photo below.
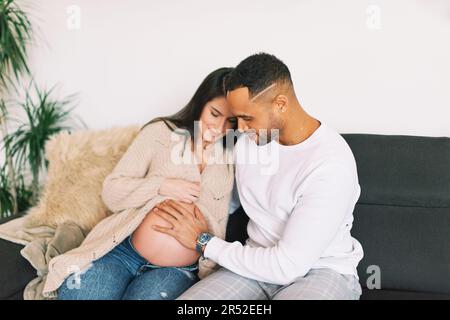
(300, 211)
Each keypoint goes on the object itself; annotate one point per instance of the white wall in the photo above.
(357, 68)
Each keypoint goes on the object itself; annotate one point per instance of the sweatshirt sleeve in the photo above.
(127, 186)
(311, 227)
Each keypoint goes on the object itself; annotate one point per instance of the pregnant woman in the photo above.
(123, 257)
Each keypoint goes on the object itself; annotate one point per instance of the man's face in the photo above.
(256, 118)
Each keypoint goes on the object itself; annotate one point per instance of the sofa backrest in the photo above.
(402, 218)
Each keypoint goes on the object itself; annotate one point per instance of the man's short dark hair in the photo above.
(257, 72)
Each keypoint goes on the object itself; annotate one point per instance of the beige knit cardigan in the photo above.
(130, 191)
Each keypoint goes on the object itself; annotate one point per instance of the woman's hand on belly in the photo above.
(159, 248)
(181, 190)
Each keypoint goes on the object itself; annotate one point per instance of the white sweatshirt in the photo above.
(300, 202)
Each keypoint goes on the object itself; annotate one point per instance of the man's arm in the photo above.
(312, 226)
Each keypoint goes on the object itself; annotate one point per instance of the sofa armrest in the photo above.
(15, 271)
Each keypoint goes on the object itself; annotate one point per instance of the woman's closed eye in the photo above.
(214, 114)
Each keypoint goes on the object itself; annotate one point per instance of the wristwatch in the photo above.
(202, 240)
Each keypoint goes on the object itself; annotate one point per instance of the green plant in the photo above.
(45, 116)
(6, 198)
(15, 35)
(23, 194)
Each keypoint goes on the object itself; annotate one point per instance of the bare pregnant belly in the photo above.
(159, 248)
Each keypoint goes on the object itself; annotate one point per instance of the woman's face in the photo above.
(215, 119)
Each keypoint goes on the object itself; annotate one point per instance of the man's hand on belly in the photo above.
(187, 224)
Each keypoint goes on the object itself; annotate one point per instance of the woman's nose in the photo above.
(222, 125)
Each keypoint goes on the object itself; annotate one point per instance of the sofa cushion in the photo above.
(15, 271)
(410, 245)
(402, 170)
(78, 165)
(402, 218)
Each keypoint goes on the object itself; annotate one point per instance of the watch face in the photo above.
(204, 237)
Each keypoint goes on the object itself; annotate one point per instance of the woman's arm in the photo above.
(127, 185)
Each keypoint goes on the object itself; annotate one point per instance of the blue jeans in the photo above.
(123, 274)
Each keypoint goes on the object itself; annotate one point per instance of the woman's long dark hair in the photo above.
(212, 87)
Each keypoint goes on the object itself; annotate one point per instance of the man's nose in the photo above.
(242, 126)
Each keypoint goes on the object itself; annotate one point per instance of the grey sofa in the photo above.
(402, 220)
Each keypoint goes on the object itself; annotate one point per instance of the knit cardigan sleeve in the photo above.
(128, 185)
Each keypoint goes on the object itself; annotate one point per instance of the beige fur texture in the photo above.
(78, 165)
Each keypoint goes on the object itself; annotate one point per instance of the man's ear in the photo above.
(280, 102)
